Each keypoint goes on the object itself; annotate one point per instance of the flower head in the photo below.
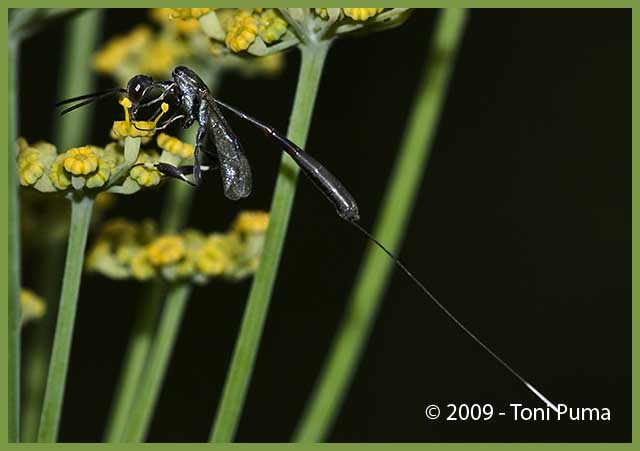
(243, 30)
(144, 173)
(166, 250)
(251, 222)
(214, 257)
(30, 167)
(86, 166)
(174, 146)
(120, 48)
(271, 26)
(361, 13)
(187, 13)
(81, 160)
(122, 250)
(265, 31)
(33, 162)
(162, 55)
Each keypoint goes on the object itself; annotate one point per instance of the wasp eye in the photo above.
(138, 86)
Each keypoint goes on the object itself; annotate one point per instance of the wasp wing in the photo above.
(234, 167)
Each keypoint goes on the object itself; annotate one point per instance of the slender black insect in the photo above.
(216, 141)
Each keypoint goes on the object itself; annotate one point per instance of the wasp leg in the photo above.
(180, 172)
(162, 126)
(200, 137)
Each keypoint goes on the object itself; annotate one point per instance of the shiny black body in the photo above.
(216, 140)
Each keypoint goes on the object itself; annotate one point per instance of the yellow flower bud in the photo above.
(175, 146)
(213, 258)
(271, 26)
(361, 13)
(30, 166)
(166, 250)
(251, 222)
(187, 13)
(141, 269)
(242, 32)
(80, 160)
(101, 176)
(59, 177)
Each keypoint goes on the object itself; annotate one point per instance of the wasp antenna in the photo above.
(92, 99)
(88, 96)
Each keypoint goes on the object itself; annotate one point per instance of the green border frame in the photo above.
(337, 446)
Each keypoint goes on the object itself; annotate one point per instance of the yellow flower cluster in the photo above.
(144, 51)
(144, 175)
(162, 55)
(251, 222)
(242, 30)
(88, 163)
(126, 250)
(33, 306)
(267, 31)
(164, 16)
(361, 13)
(109, 169)
(40, 166)
(271, 26)
(32, 160)
(185, 38)
(120, 48)
(174, 146)
(241, 27)
(187, 13)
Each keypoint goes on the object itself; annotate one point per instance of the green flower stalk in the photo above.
(156, 366)
(312, 34)
(54, 393)
(246, 348)
(345, 352)
(80, 41)
(80, 173)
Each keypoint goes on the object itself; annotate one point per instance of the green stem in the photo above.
(246, 349)
(81, 207)
(373, 277)
(80, 42)
(134, 361)
(14, 251)
(157, 363)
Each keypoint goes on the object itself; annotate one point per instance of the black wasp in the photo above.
(216, 141)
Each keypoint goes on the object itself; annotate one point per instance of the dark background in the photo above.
(521, 227)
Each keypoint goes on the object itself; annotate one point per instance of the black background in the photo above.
(521, 227)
